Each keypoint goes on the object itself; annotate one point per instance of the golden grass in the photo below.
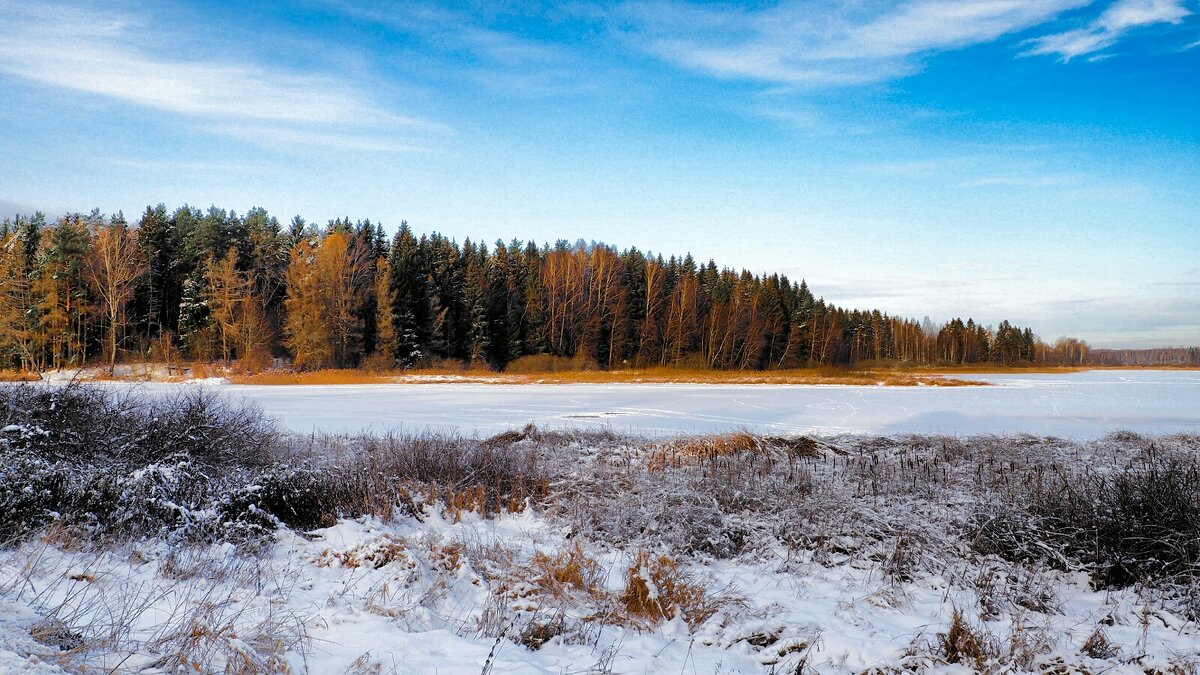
(330, 376)
(639, 376)
(874, 374)
(701, 449)
(18, 376)
(657, 588)
(797, 376)
(566, 570)
(965, 644)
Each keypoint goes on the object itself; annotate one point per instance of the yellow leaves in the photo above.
(327, 286)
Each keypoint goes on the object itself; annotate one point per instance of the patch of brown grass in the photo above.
(373, 555)
(330, 376)
(658, 588)
(555, 375)
(665, 375)
(1098, 646)
(567, 570)
(542, 369)
(18, 376)
(701, 449)
(965, 644)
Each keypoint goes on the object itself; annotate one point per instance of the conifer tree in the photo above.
(194, 319)
(411, 297)
(158, 293)
(385, 320)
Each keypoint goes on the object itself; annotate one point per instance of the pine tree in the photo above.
(475, 293)
(385, 320)
(227, 291)
(157, 296)
(410, 296)
(60, 290)
(15, 306)
(194, 320)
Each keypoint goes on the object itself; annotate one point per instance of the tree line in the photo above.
(1161, 356)
(213, 285)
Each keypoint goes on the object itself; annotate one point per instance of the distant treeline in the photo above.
(213, 285)
(1164, 356)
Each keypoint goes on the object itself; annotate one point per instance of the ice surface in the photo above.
(1080, 405)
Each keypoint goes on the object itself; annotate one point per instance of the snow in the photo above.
(419, 594)
(1080, 405)
(414, 610)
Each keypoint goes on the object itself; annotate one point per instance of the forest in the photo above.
(212, 285)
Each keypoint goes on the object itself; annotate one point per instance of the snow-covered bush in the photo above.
(1125, 524)
(119, 465)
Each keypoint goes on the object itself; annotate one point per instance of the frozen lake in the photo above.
(1081, 405)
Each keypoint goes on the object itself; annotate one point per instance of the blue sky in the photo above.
(1035, 160)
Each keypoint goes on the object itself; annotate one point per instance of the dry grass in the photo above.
(554, 372)
(370, 555)
(1098, 646)
(567, 570)
(647, 376)
(331, 376)
(796, 376)
(18, 376)
(967, 645)
(700, 450)
(657, 588)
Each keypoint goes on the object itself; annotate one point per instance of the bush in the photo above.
(119, 464)
(534, 364)
(1136, 524)
(80, 423)
(191, 465)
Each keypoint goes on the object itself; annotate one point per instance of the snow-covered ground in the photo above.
(1079, 405)
(830, 554)
(367, 596)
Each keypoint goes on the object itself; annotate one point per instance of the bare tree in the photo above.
(113, 269)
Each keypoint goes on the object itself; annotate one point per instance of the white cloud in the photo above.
(99, 54)
(1106, 30)
(1023, 181)
(284, 137)
(468, 46)
(824, 44)
(1192, 46)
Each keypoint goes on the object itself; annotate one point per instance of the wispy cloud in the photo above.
(826, 44)
(813, 120)
(1021, 181)
(470, 45)
(97, 53)
(1106, 30)
(284, 137)
(917, 167)
(164, 165)
(996, 169)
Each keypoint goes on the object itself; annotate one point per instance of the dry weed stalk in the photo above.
(658, 588)
(700, 450)
(567, 570)
(968, 645)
